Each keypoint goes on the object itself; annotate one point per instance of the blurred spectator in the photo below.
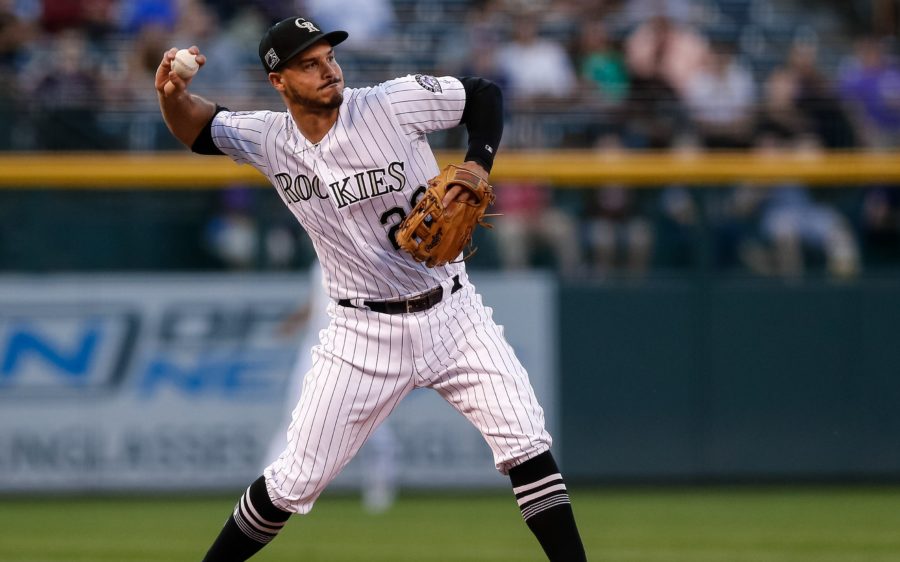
(619, 237)
(857, 16)
(734, 219)
(224, 76)
(778, 109)
(100, 19)
(721, 100)
(799, 99)
(8, 113)
(880, 225)
(281, 246)
(530, 221)
(232, 234)
(601, 64)
(563, 18)
(473, 51)
(272, 11)
(523, 6)
(870, 83)
(67, 92)
(665, 53)
(58, 15)
(661, 57)
(676, 228)
(482, 62)
(230, 48)
(604, 83)
(15, 32)
(794, 230)
(677, 225)
(244, 28)
(138, 13)
(818, 100)
(473, 48)
(369, 22)
(599, 9)
(681, 11)
(128, 91)
(139, 66)
(237, 237)
(538, 69)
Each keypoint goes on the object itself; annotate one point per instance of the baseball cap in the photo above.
(289, 37)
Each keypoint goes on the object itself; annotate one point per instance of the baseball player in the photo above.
(349, 163)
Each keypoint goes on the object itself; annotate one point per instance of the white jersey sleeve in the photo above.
(423, 103)
(241, 135)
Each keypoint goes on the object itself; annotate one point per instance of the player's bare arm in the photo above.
(185, 114)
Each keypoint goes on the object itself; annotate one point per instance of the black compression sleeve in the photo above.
(483, 118)
(204, 144)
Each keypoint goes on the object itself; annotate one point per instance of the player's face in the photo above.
(313, 79)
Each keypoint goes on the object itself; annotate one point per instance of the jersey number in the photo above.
(386, 216)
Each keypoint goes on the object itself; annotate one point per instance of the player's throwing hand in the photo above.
(168, 82)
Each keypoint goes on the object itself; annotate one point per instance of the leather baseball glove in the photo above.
(437, 235)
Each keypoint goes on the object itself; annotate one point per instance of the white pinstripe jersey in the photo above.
(350, 190)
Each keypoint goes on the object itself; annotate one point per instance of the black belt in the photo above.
(417, 303)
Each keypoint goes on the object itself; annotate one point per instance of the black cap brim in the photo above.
(333, 38)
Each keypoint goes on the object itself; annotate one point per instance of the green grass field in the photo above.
(618, 525)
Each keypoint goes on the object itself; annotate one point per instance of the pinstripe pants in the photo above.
(367, 362)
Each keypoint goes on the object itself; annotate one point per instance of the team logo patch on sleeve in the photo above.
(430, 83)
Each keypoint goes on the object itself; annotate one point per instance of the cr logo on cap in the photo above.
(307, 25)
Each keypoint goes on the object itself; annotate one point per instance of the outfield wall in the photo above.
(715, 378)
(175, 382)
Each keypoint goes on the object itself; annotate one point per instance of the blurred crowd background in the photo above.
(605, 75)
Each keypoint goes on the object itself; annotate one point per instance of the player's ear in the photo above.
(277, 81)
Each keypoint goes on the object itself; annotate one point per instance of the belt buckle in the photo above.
(422, 302)
(417, 304)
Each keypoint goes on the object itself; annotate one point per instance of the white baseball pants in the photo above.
(367, 362)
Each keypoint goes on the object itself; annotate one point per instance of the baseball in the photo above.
(185, 64)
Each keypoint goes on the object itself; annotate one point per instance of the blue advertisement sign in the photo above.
(182, 383)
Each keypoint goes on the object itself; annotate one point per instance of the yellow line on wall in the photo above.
(562, 168)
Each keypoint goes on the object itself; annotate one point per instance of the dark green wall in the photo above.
(730, 379)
